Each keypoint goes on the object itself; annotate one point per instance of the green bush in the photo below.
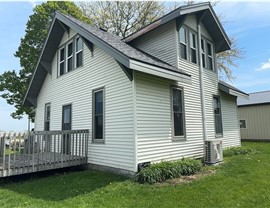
(237, 151)
(165, 170)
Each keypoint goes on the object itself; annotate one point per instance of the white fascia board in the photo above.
(238, 94)
(160, 72)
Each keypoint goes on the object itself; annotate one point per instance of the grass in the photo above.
(241, 181)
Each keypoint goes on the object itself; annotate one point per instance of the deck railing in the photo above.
(42, 150)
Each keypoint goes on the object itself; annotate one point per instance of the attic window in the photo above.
(70, 56)
(188, 44)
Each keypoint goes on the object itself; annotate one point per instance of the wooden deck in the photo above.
(39, 151)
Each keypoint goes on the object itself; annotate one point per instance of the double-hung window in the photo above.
(178, 112)
(70, 55)
(98, 115)
(193, 47)
(47, 117)
(62, 61)
(217, 115)
(210, 64)
(183, 43)
(203, 52)
(79, 47)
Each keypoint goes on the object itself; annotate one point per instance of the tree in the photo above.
(123, 18)
(13, 85)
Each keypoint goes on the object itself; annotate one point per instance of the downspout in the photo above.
(202, 82)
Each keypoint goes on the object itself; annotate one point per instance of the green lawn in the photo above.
(241, 181)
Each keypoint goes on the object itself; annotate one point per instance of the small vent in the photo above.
(213, 151)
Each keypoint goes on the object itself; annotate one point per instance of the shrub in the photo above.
(165, 170)
(237, 151)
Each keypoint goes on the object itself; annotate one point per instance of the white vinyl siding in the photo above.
(160, 43)
(76, 88)
(154, 121)
(230, 124)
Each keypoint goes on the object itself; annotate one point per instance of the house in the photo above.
(152, 96)
(254, 116)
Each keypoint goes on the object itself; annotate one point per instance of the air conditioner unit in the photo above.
(213, 151)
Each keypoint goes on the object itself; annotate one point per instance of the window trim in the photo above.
(191, 33)
(45, 116)
(94, 140)
(180, 137)
(66, 57)
(69, 57)
(245, 123)
(217, 134)
(186, 44)
(71, 114)
(63, 61)
(77, 52)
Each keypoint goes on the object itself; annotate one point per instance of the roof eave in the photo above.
(231, 91)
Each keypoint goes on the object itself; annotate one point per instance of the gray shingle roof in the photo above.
(127, 50)
(256, 98)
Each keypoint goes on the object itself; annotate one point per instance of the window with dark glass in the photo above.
(243, 124)
(183, 43)
(210, 56)
(62, 61)
(203, 52)
(193, 47)
(79, 47)
(98, 114)
(217, 115)
(178, 112)
(47, 117)
(69, 57)
(66, 117)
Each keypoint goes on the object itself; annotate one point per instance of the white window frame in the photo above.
(178, 137)
(184, 43)
(69, 57)
(240, 123)
(210, 56)
(203, 50)
(63, 61)
(191, 33)
(77, 52)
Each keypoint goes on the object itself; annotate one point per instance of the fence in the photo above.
(41, 150)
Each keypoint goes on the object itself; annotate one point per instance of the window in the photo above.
(243, 124)
(217, 115)
(62, 61)
(178, 112)
(47, 117)
(71, 56)
(203, 52)
(193, 47)
(66, 117)
(98, 115)
(210, 56)
(79, 47)
(183, 42)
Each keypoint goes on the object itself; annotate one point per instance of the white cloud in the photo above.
(264, 66)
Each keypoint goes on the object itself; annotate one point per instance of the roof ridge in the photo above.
(178, 8)
(264, 91)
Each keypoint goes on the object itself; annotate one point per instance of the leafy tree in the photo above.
(122, 17)
(13, 85)
(125, 17)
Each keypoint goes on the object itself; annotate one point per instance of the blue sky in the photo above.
(249, 22)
